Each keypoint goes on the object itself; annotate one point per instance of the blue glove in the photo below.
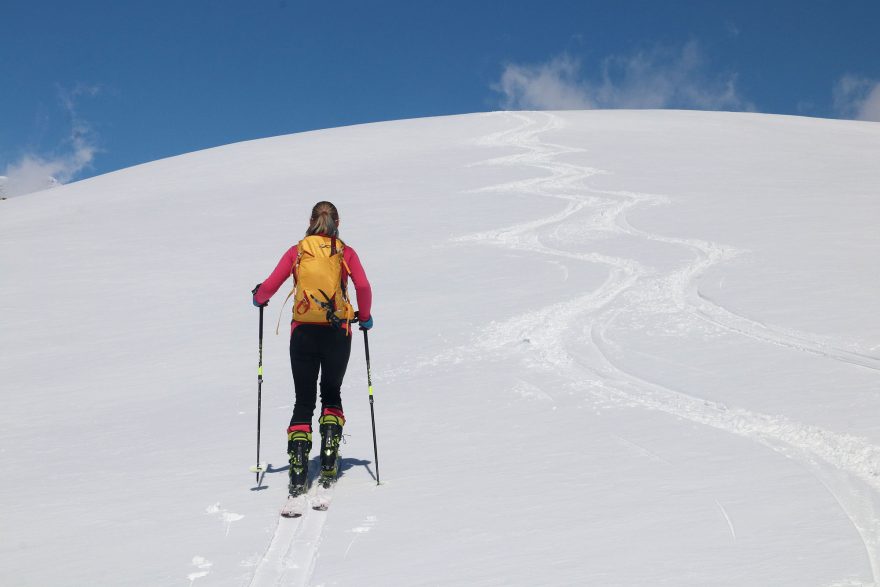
(367, 324)
(254, 294)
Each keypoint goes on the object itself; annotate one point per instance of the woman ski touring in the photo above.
(320, 336)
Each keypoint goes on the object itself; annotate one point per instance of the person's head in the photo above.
(324, 220)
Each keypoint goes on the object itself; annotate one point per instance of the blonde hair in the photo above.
(324, 220)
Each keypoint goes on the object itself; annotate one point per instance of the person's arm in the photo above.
(361, 284)
(282, 271)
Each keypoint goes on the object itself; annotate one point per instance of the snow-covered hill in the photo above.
(611, 348)
(25, 183)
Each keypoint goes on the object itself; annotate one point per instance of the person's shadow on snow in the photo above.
(345, 464)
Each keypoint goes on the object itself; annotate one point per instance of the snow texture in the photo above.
(611, 348)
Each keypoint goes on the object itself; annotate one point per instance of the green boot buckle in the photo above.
(299, 445)
(331, 433)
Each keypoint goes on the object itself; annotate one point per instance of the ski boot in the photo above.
(331, 423)
(299, 444)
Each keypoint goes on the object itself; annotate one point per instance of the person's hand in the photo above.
(366, 324)
(254, 294)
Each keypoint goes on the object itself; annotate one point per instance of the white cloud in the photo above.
(659, 78)
(34, 172)
(857, 97)
(550, 86)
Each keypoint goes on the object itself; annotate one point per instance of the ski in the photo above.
(318, 497)
(323, 495)
(295, 506)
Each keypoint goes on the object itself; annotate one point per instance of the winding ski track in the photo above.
(848, 466)
(570, 338)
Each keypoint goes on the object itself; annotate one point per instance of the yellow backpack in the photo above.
(319, 293)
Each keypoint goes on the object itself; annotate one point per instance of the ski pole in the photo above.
(372, 412)
(258, 468)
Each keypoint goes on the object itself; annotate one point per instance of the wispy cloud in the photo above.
(659, 78)
(857, 97)
(548, 86)
(34, 172)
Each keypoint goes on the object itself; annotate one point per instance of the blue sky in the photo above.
(94, 86)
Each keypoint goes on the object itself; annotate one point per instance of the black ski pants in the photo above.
(315, 349)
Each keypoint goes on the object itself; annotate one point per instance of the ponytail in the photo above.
(324, 220)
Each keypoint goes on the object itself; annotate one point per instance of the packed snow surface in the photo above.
(611, 348)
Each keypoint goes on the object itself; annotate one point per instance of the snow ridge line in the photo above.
(853, 457)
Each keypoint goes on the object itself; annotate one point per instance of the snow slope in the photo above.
(611, 348)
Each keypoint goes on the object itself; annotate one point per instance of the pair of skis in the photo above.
(318, 500)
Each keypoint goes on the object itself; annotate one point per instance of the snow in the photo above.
(24, 180)
(611, 348)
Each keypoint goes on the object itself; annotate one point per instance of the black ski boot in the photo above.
(299, 445)
(331, 435)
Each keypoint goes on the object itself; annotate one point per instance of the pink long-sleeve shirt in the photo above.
(282, 271)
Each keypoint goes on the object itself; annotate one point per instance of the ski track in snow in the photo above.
(727, 519)
(570, 337)
(290, 559)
